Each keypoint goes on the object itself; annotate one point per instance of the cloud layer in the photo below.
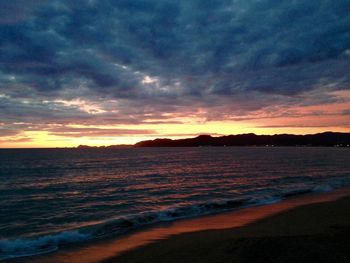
(122, 62)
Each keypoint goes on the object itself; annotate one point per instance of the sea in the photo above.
(51, 198)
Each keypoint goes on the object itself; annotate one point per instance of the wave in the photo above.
(45, 244)
(29, 247)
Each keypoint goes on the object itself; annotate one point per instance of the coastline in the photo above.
(318, 232)
(198, 232)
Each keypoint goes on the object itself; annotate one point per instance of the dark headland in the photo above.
(251, 139)
(325, 139)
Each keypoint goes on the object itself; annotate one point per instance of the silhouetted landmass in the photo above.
(251, 139)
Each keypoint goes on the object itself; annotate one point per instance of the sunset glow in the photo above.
(73, 73)
(174, 131)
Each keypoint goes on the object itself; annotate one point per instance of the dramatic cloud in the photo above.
(7, 132)
(93, 132)
(150, 61)
(17, 10)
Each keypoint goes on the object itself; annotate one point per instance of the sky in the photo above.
(102, 72)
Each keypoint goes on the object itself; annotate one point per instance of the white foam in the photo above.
(46, 244)
(28, 247)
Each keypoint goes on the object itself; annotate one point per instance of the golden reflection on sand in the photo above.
(106, 249)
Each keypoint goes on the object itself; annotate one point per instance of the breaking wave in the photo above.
(45, 244)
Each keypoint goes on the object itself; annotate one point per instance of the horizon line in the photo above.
(163, 138)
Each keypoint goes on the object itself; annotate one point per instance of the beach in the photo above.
(308, 228)
(174, 131)
(312, 233)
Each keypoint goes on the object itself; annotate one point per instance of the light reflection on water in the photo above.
(51, 190)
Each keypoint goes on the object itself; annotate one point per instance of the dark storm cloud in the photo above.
(168, 56)
(17, 10)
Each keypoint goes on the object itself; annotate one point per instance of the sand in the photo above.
(311, 233)
(309, 228)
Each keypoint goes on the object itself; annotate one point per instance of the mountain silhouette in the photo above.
(251, 139)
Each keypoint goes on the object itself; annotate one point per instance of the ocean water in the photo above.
(53, 197)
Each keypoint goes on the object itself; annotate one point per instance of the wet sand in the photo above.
(310, 228)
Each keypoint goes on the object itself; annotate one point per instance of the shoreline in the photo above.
(116, 249)
(317, 232)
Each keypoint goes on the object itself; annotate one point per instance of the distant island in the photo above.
(251, 139)
(330, 139)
